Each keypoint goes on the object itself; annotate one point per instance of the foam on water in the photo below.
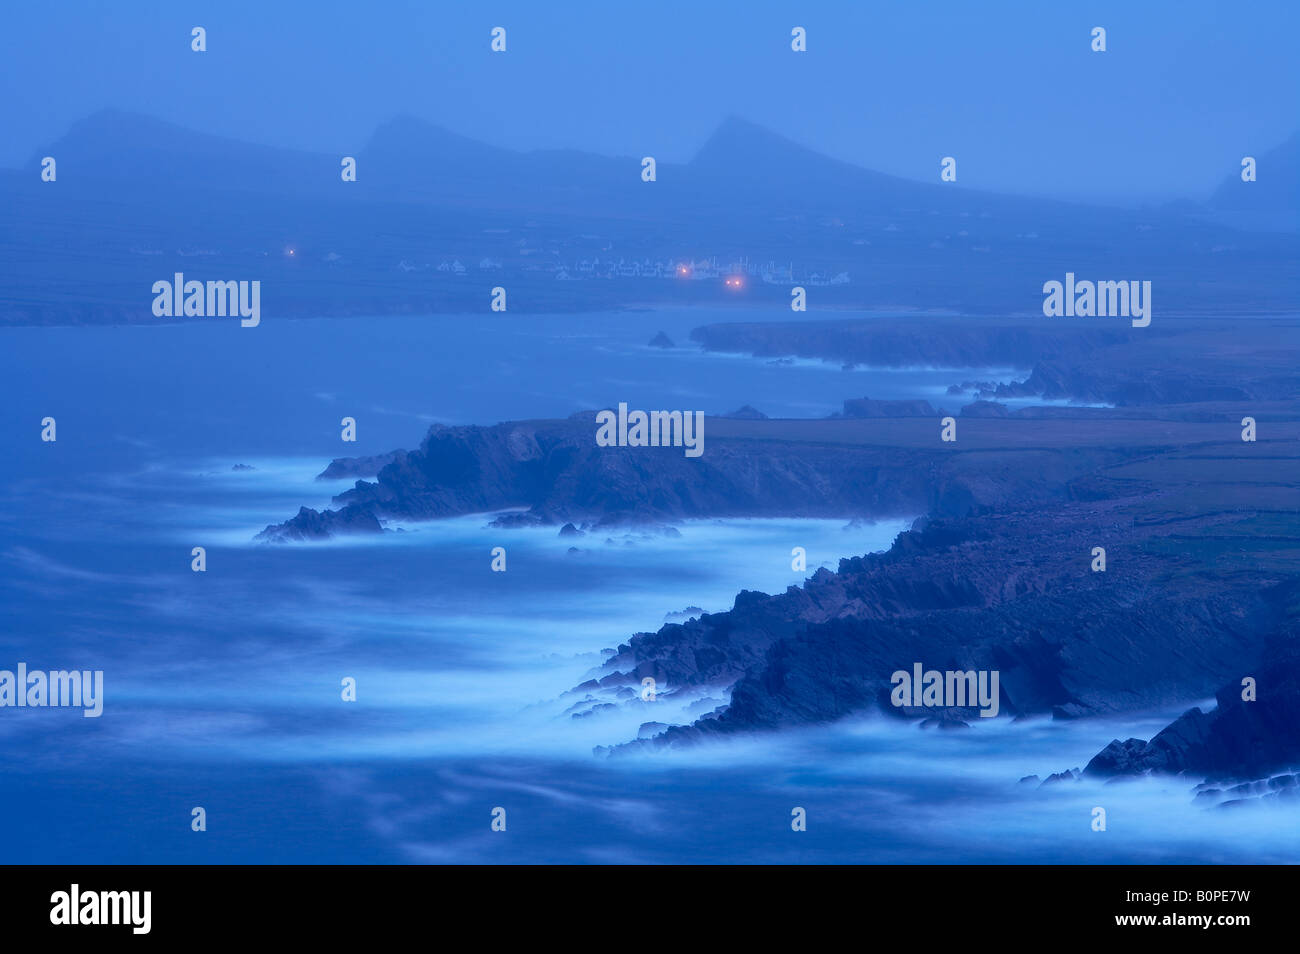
(223, 688)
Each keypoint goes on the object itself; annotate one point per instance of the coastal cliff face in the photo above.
(1011, 592)
(872, 467)
(894, 342)
(1252, 732)
(1180, 361)
(342, 467)
(1201, 530)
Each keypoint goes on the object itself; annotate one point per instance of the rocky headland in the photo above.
(1201, 531)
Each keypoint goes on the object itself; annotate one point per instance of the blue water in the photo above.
(223, 688)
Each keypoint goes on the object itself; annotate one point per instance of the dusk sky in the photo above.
(1010, 88)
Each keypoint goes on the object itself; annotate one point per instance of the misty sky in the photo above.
(1011, 89)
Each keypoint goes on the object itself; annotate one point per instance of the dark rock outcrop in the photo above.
(552, 472)
(344, 467)
(1240, 738)
(1285, 786)
(1010, 592)
(322, 524)
(985, 409)
(747, 413)
(1200, 529)
(1100, 362)
(556, 471)
(866, 407)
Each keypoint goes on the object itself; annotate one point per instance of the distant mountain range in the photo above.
(1275, 190)
(137, 199)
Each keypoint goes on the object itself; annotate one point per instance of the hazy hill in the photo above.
(1272, 201)
(138, 199)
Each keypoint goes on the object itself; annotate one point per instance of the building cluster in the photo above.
(769, 273)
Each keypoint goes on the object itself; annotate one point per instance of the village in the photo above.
(769, 273)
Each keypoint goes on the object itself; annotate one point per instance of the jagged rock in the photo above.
(651, 729)
(1279, 787)
(598, 707)
(1119, 758)
(342, 467)
(679, 615)
(1238, 739)
(510, 521)
(661, 340)
(320, 525)
(1070, 775)
(1008, 592)
(825, 468)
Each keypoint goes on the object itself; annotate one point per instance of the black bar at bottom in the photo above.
(333, 904)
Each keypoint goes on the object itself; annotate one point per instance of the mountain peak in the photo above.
(1277, 189)
(744, 155)
(411, 135)
(122, 125)
(736, 138)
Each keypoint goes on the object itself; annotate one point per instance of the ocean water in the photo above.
(222, 689)
(206, 385)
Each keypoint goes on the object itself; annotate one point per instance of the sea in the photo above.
(225, 736)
